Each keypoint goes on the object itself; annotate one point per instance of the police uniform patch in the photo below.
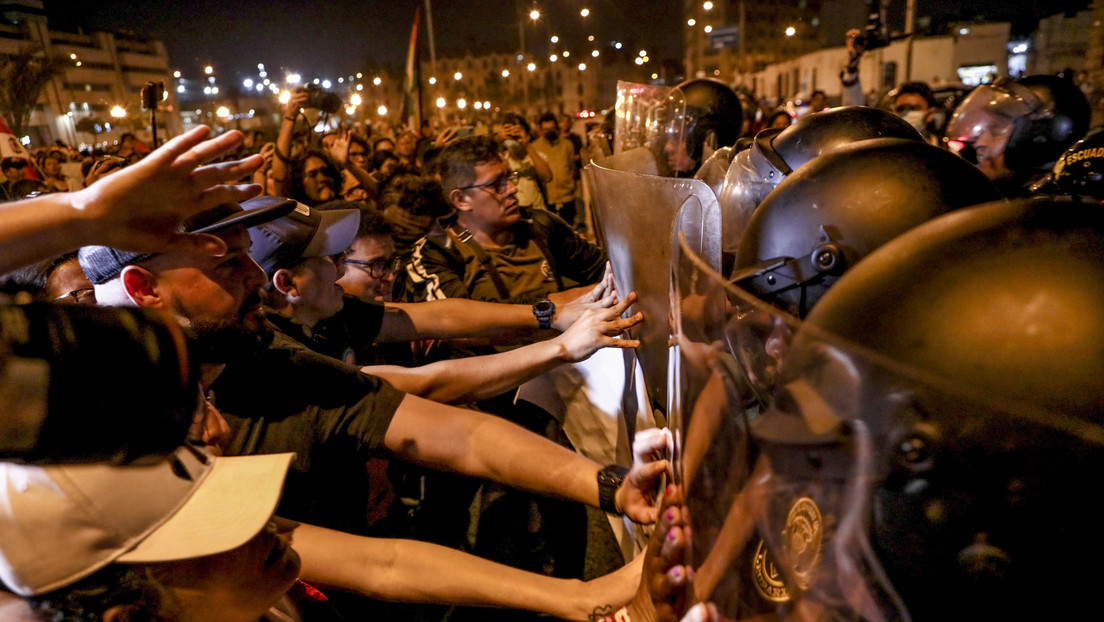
(803, 538)
(766, 576)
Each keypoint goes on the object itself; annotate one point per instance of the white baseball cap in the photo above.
(59, 524)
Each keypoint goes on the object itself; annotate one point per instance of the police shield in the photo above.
(635, 214)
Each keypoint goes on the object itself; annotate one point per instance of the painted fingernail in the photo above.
(676, 572)
(671, 490)
(671, 536)
(670, 514)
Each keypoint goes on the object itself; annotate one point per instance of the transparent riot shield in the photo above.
(635, 215)
(641, 115)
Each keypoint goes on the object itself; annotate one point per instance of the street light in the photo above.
(708, 29)
(461, 103)
(791, 31)
(440, 102)
(584, 12)
(486, 105)
(555, 39)
(118, 112)
(293, 78)
(691, 21)
(707, 5)
(531, 66)
(505, 73)
(382, 110)
(594, 53)
(582, 66)
(457, 75)
(534, 15)
(222, 112)
(553, 58)
(285, 97)
(355, 100)
(350, 110)
(377, 81)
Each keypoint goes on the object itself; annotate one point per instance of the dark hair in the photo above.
(459, 158)
(372, 223)
(548, 116)
(917, 88)
(34, 278)
(775, 115)
(378, 139)
(131, 585)
(415, 194)
(819, 92)
(357, 140)
(379, 158)
(297, 191)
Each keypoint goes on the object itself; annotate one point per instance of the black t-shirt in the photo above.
(330, 414)
(346, 336)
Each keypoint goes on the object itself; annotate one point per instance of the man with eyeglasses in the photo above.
(371, 264)
(488, 250)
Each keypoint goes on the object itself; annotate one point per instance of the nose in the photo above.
(255, 277)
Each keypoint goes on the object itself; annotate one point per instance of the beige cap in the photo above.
(59, 524)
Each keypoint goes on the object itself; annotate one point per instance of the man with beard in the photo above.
(333, 416)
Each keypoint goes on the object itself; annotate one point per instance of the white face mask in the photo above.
(915, 118)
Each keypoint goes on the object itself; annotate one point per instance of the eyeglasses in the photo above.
(378, 268)
(500, 185)
(82, 296)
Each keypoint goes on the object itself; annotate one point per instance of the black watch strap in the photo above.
(609, 480)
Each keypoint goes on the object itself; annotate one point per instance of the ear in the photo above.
(140, 286)
(284, 283)
(460, 200)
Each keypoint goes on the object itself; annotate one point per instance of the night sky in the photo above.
(338, 37)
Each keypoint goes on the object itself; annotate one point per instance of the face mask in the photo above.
(915, 118)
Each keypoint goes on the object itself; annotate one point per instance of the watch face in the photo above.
(543, 307)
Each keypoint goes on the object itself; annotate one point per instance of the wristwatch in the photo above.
(544, 310)
(610, 479)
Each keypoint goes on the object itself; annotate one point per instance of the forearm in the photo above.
(411, 571)
(461, 381)
(40, 228)
(454, 318)
(487, 447)
(543, 170)
(283, 148)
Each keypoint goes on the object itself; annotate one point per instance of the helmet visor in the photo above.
(744, 188)
(990, 110)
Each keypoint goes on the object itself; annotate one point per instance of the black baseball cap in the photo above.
(103, 263)
(302, 233)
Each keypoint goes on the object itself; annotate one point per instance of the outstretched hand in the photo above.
(597, 329)
(572, 303)
(142, 207)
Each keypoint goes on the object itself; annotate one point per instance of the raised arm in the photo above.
(139, 208)
(458, 318)
(485, 446)
(281, 167)
(411, 571)
(480, 377)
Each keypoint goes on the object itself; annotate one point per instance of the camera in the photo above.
(93, 384)
(152, 95)
(321, 99)
(874, 36)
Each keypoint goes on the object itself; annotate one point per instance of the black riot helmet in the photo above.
(1080, 170)
(936, 438)
(775, 153)
(836, 209)
(702, 113)
(1029, 121)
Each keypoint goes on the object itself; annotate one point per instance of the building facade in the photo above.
(106, 72)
